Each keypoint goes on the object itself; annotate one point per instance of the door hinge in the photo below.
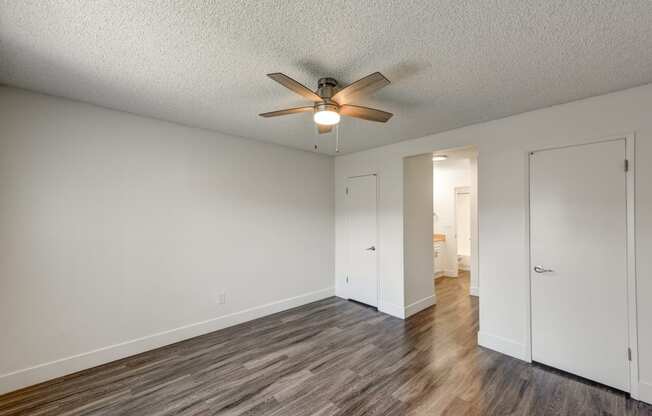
(347, 279)
(626, 165)
(347, 190)
(629, 354)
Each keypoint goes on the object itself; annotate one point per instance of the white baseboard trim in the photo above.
(47, 371)
(419, 305)
(474, 291)
(450, 273)
(340, 292)
(392, 309)
(439, 274)
(502, 345)
(645, 391)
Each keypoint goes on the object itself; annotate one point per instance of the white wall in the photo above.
(117, 233)
(448, 175)
(419, 284)
(503, 206)
(475, 258)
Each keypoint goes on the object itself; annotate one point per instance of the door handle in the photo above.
(372, 248)
(540, 269)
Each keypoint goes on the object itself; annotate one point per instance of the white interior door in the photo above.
(362, 275)
(579, 261)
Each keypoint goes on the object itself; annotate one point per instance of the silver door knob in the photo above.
(540, 269)
(372, 248)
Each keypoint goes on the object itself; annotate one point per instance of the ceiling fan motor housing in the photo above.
(326, 87)
(327, 105)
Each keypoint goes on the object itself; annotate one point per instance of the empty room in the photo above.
(325, 208)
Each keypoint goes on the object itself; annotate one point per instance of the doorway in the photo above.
(454, 208)
(580, 299)
(430, 184)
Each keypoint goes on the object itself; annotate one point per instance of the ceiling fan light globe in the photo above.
(326, 117)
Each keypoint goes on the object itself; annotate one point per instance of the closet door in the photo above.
(578, 246)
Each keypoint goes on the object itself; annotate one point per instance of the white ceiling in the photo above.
(451, 63)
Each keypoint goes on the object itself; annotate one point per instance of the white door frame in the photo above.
(463, 190)
(631, 255)
(378, 246)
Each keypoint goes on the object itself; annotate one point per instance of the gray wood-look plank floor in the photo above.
(330, 357)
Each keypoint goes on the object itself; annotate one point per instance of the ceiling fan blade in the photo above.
(365, 113)
(324, 129)
(287, 111)
(295, 86)
(366, 85)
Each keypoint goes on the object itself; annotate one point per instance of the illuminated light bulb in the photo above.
(326, 117)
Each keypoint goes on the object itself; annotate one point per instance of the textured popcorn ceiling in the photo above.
(451, 63)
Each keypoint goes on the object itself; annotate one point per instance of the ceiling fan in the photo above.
(330, 102)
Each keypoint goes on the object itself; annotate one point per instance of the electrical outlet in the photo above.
(221, 298)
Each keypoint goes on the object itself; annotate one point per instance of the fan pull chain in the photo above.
(337, 138)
